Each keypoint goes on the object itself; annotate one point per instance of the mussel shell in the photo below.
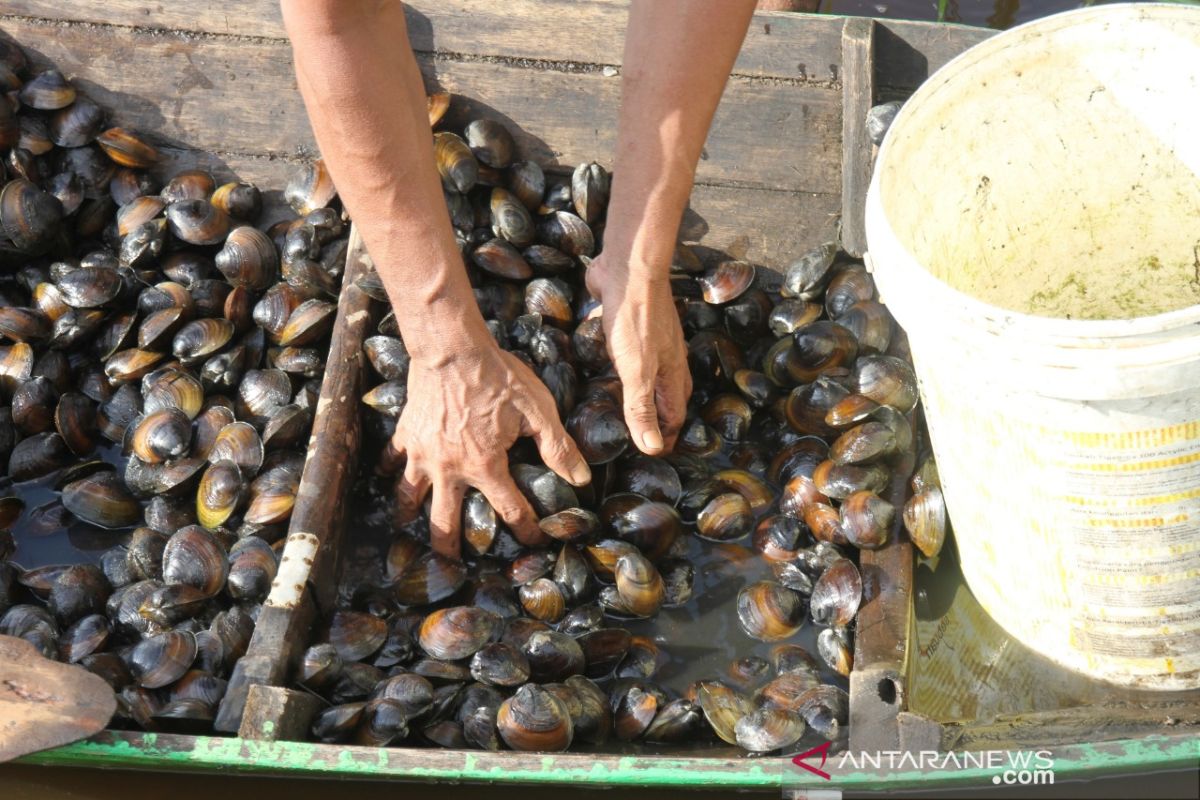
(925, 520)
(161, 435)
(162, 659)
(677, 721)
(839, 481)
(457, 632)
(239, 200)
(75, 125)
(456, 163)
(261, 393)
(102, 500)
(248, 259)
(240, 443)
(534, 719)
(571, 524)
(566, 232)
(768, 729)
(837, 594)
(807, 277)
(834, 646)
(201, 338)
(85, 636)
(887, 380)
(499, 257)
(511, 220)
(543, 599)
(552, 655)
(127, 148)
(723, 708)
(429, 579)
(308, 323)
(500, 664)
(222, 489)
(195, 557)
(780, 537)
(726, 281)
(726, 517)
(252, 568)
(770, 612)
(311, 188)
(197, 222)
(47, 91)
(356, 635)
(866, 520)
(337, 723)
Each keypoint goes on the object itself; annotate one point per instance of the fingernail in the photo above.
(580, 474)
(652, 440)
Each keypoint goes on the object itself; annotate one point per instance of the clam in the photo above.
(866, 520)
(144, 244)
(382, 722)
(768, 729)
(161, 435)
(726, 281)
(511, 220)
(162, 659)
(248, 258)
(500, 664)
(837, 594)
(553, 656)
(76, 592)
(543, 599)
(849, 410)
(806, 277)
(725, 518)
(221, 493)
(490, 142)
(201, 338)
(455, 162)
(102, 500)
(533, 719)
(839, 481)
(677, 721)
(634, 713)
(239, 200)
(865, 443)
(500, 258)
(849, 283)
(780, 537)
(310, 189)
(545, 490)
(209, 423)
(642, 661)
(261, 393)
(571, 524)
(173, 388)
(789, 315)
(871, 325)
(287, 427)
(197, 222)
(834, 646)
(573, 575)
(639, 585)
(551, 298)
(34, 624)
(770, 612)
(194, 557)
(590, 186)
(887, 380)
(47, 91)
(723, 707)
(252, 568)
(33, 405)
(729, 414)
(24, 324)
(37, 456)
(144, 555)
(826, 709)
(566, 232)
(127, 148)
(240, 443)
(337, 723)
(309, 322)
(527, 181)
(457, 632)
(388, 398)
(356, 635)
(85, 636)
(319, 666)
(651, 526)
(925, 520)
(429, 579)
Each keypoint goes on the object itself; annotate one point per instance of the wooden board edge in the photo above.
(858, 93)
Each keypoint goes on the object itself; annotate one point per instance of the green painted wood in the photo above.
(125, 750)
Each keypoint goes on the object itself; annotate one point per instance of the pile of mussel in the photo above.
(800, 424)
(159, 370)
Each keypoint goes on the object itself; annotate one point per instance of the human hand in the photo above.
(464, 411)
(645, 341)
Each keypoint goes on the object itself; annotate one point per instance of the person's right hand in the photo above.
(464, 411)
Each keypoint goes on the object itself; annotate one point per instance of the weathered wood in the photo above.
(906, 53)
(274, 713)
(44, 703)
(1096, 723)
(228, 96)
(879, 682)
(858, 92)
(304, 585)
(576, 34)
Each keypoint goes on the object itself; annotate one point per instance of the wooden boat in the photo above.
(786, 165)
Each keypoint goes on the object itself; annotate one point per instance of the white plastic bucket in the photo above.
(1069, 449)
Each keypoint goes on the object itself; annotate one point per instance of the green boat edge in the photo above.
(169, 752)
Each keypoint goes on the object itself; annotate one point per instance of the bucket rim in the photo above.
(999, 318)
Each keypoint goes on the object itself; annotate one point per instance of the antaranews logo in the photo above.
(1007, 767)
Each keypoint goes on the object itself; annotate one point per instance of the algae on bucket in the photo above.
(1034, 224)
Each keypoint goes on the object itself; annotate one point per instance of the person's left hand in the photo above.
(645, 341)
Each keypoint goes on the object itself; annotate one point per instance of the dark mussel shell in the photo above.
(455, 162)
(511, 221)
(197, 222)
(500, 258)
(807, 277)
(310, 189)
(544, 489)
(553, 656)
(837, 594)
(723, 707)
(534, 719)
(590, 187)
(770, 612)
(429, 579)
(726, 282)
(222, 490)
(337, 723)
(651, 526)
(491, 143)
(543, 599)
(85, 636)
(47, 91)
(458, 632)
(195, 557)
(239, 200)
(834, 646)
(161, 435)
(726, 517)
(887, 380)
(500, 664)
(566, 232)
(571, 524)
(127, 148)
(102, 500)
(633, 714)
(248, 259)
(768, 729)
(162, 659)
(866, 520)
(639, 585)
(925, 520)
(356, 635)
(30, 217)
(252, 568)
(780, 537)
(839, 481)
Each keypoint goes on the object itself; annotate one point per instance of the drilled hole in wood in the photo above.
(887, 691)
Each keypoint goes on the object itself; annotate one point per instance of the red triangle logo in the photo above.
(823, 750)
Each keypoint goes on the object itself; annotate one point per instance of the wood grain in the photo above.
(858, 92)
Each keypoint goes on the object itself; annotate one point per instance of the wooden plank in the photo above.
(274, 713)
(304, 586)
(906, 53)
(573, 33)
(230, 96)
(858, 92)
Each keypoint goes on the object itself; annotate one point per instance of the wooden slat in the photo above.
(240, 97)
(571, 32)
(858, 92)
(906, 53)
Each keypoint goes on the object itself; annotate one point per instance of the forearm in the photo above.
(678, 55)
(366, 102)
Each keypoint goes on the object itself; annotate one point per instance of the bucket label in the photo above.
(1083, 542)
